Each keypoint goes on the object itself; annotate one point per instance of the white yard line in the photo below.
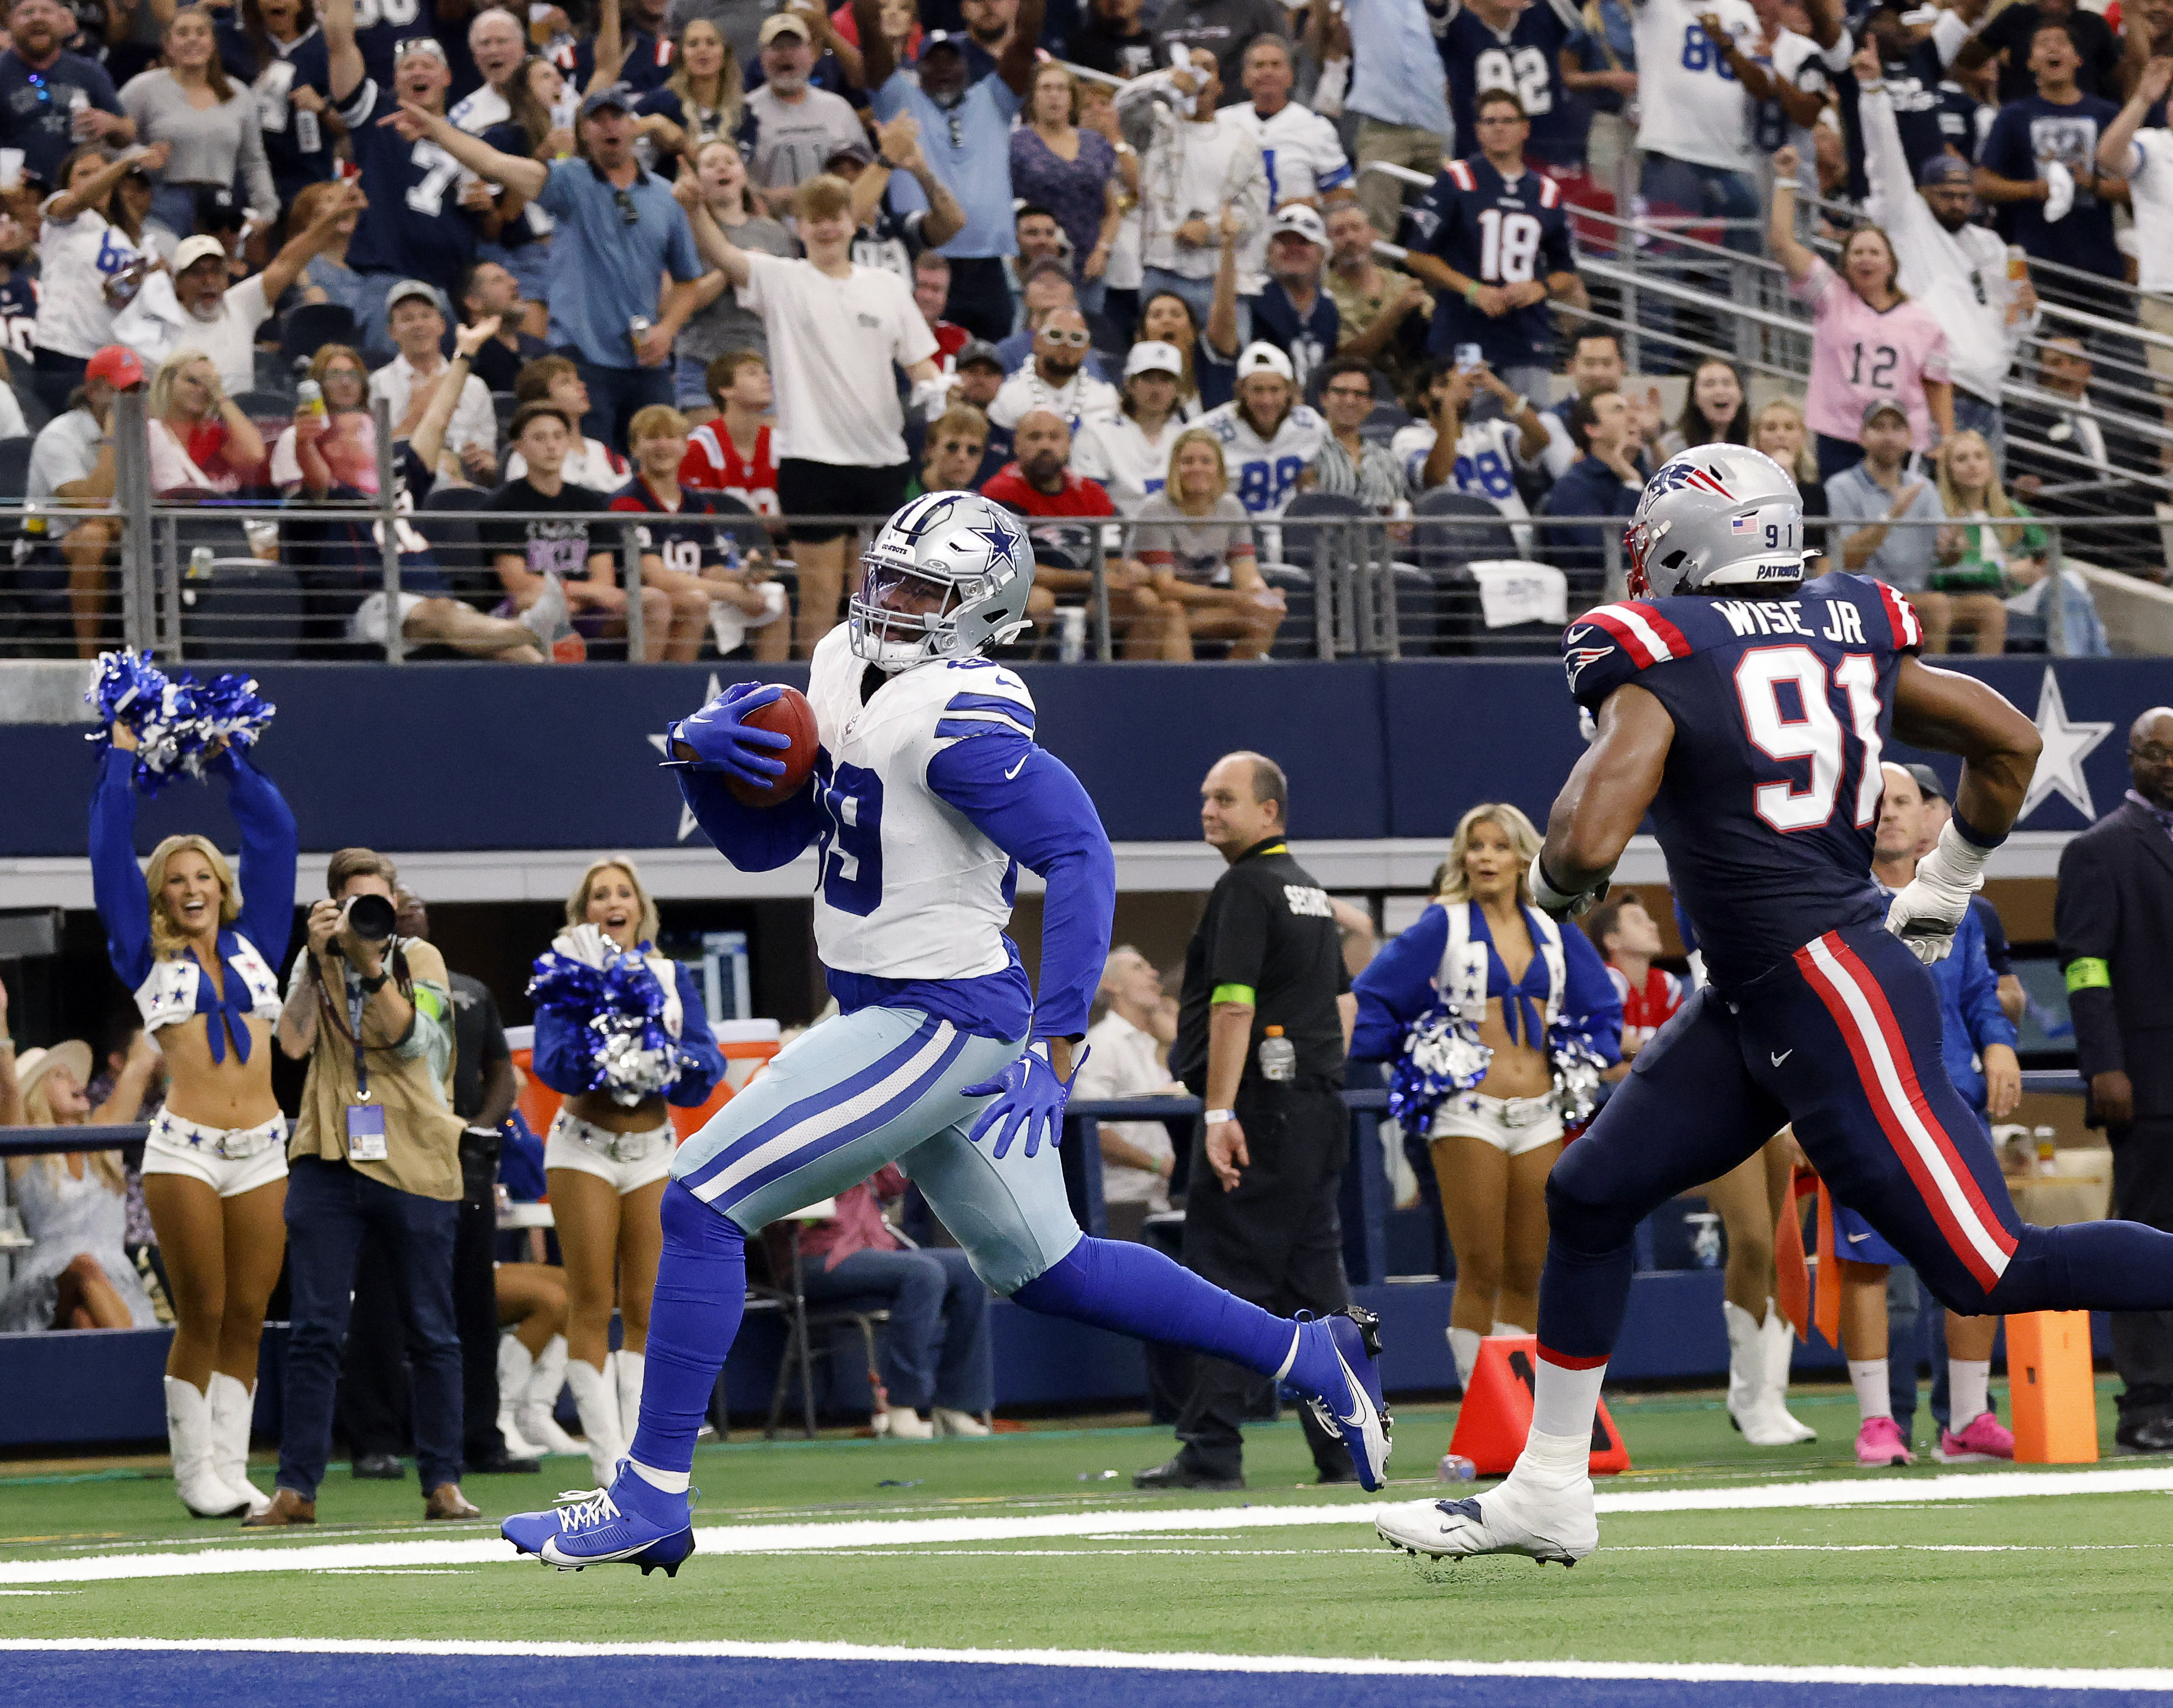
(2134, 1679)
(853, 1534)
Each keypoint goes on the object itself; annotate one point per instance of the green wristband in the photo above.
(1232, 992)
(2088, 973)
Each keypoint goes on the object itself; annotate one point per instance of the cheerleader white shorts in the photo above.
(1512, 1125)
(229, 1159)
(628, 1161)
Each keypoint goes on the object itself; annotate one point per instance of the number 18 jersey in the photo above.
(1499, 233)
(1769, 796)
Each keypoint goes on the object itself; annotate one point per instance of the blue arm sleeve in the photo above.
(563, 1057)
(1589, 997)
(116, 881)
(753, 838)
(1026, 800)
(699, 1077)
(1398, 986)
(269, 844)
(1987, 1022)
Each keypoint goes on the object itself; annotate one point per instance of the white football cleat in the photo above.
(1556, 1524)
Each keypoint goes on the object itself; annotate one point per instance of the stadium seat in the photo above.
(14, 468)
(447, 521)
(1297, 637)
(1304, 546)
(310, 328)
(246, 611)
(1386, 420)
(1458, 528)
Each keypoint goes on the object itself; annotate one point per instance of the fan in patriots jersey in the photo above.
(693, 552)
(1495, 238)
(739, 385)
(929, 793)
(1269, 438)
(340, 563)
(1516, 45)
(415, 226)
(1747, 709)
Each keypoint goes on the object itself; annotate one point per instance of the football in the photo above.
(789, 714)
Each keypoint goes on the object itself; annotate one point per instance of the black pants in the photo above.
(981, 299)
(373, 1402)
(2142, 1191)
(1277, 1242)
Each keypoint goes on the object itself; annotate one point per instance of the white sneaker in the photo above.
(902, 1423)
(1547, 1523)
(958, 1423)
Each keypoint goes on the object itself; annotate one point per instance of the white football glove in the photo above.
(1926, 911)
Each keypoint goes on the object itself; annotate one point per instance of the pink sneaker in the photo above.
(1985, 1438)
(1881, 1442)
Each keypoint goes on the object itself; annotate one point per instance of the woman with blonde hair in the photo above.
(74, 1205)
(201, 441)
(1780, 432)
(200, 943)
(1500, 1022)
(609, 1152)
(702, 101)
(1976, 585)
(1192, 542)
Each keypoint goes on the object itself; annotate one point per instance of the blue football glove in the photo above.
(722, 741)
(1030, 1099)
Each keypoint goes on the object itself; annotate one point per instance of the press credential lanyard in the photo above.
(365, 1120)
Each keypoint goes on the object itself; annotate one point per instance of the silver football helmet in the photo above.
(1717, 515)
(948, 576)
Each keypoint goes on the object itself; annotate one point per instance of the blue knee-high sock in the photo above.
(1134, 1290)
(2087, 1266)
(701, 1293)
(1583, 1297)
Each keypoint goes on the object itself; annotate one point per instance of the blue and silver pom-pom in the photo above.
(181, 725)
(1442, 1058)
(631, 1057)
(1577, 1065)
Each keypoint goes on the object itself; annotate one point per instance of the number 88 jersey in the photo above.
(1770, 791)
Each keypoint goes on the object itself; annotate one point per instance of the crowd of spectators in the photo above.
(842, 246)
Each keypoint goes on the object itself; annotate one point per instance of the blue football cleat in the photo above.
(632, 1523)
(1359, 1413)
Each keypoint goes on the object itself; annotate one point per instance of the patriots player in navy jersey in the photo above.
(1516, 45)
(928, 795)
(417, 225)
(1494, 236)
(1746, 710)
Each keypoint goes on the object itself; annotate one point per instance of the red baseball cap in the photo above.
(116, 365)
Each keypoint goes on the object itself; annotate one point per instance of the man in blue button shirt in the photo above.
(618, 232)
(965, 132)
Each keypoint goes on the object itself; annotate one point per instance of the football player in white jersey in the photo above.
(929, 793)
(1269, 437)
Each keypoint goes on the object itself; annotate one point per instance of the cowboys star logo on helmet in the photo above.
(948, 575)
(1717, 515)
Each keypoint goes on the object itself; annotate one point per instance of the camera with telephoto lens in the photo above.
(370, 917)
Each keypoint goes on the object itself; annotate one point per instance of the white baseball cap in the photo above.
(192, 249)
(1264, 358)
(1297, 217)
(1152, 356)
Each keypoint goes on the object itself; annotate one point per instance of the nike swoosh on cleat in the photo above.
(1783, 1057)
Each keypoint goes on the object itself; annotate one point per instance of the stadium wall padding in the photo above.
(434, 756)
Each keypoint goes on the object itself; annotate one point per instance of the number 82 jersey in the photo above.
(1771, 792)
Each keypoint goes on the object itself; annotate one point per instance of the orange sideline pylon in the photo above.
(2051, 1388)
(1497, 1413)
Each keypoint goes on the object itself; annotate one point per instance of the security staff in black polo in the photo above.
(1263, 1022)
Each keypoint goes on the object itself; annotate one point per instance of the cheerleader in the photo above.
(1499, 1022)
(199, 949)
(609, 1149)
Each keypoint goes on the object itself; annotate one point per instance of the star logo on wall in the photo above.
(2067, 745)
(688, 823)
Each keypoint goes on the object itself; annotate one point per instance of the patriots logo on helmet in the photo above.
(1688, 474)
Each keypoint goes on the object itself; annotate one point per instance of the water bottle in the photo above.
(2048, 1151)
(1278, 1056)
(309, 136)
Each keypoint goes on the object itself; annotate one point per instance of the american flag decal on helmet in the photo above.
(1742, 524)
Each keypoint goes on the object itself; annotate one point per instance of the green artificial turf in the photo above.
(2052, 1580)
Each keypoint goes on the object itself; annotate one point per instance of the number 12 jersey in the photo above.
(1769, 796)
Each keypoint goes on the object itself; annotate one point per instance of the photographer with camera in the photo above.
(376, 1151)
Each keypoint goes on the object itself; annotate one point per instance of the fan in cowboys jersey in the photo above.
(1495, 237)
(1747, 709)
(928, 796)
(1516, 45)
(1269, 438)
(1300, 149)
